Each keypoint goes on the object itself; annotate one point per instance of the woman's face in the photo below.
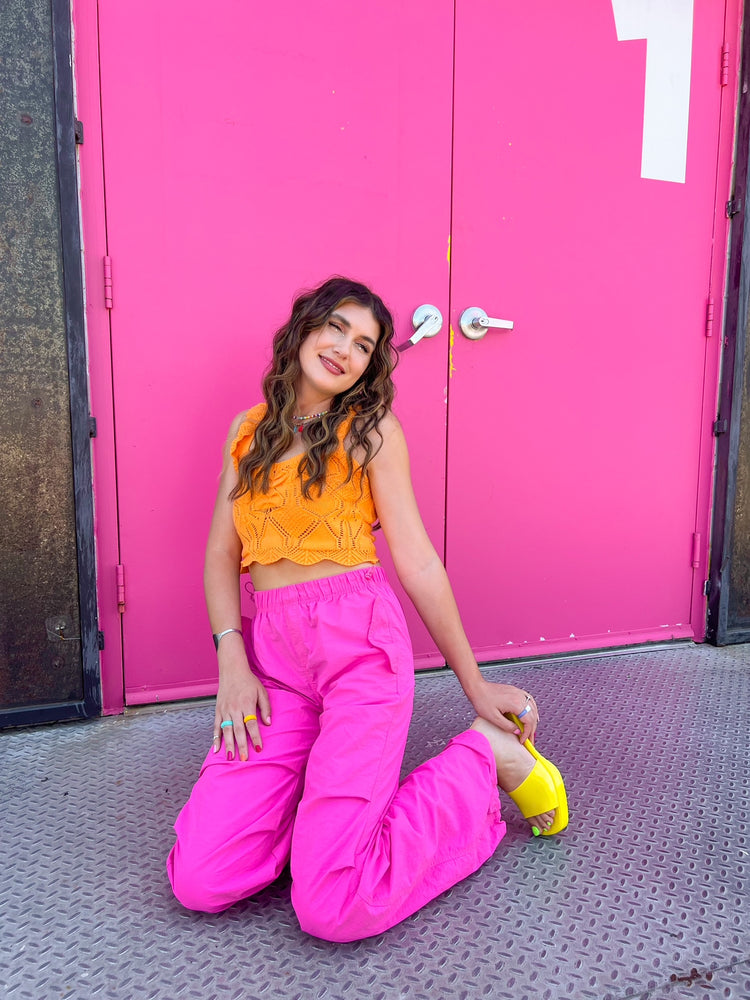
(334, 356)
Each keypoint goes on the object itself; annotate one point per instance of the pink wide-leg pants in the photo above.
(366, 851)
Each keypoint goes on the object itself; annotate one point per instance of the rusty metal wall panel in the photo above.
(40, 649)
(738, 610)
(728, 614)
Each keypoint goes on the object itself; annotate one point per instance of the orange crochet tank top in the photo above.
(284, 524)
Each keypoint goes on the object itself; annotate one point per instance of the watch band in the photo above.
(218, 636)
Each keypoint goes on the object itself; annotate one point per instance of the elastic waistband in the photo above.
(326, 589)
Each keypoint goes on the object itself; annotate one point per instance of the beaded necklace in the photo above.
(298, 423)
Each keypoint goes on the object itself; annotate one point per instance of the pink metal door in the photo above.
(583, 211)
(250, 150)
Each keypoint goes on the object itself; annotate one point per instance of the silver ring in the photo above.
(226, 722)
(526, 711)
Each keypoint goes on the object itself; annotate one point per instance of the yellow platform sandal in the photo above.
(543, 790)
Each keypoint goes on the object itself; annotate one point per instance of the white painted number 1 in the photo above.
(667, 26)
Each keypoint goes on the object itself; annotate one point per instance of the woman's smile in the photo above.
(331, 366)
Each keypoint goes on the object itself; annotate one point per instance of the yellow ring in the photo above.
(250, 718)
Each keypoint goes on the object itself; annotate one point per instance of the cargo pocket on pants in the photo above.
(388, 633)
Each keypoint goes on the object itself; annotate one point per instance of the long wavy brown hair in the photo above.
(367, 401)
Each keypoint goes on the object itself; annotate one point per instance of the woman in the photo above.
(314, 703)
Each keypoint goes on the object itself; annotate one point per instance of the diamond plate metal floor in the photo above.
(646, 895)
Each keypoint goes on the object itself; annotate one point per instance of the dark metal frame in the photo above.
(67, 181)
(718, 628)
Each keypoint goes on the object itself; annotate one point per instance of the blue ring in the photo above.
(226, 722)
(520, 715)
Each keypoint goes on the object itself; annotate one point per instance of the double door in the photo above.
(554, 166)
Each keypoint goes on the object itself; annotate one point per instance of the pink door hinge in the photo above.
(696, 550)
(120, 588)
(107, 282)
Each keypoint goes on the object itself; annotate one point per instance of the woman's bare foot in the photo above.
(514, 764)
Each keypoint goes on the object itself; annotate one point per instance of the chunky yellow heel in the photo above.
(543, 790)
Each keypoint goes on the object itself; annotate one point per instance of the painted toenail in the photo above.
(536, 831)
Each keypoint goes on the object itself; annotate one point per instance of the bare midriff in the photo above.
(285, 573)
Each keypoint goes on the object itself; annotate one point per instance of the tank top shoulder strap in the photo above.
(246, 433)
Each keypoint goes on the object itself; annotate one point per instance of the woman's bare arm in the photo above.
(424, 579)
(240, 692)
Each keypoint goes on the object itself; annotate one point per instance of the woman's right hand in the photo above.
(240, 695)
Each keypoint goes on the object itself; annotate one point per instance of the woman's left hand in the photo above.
(492, 701)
